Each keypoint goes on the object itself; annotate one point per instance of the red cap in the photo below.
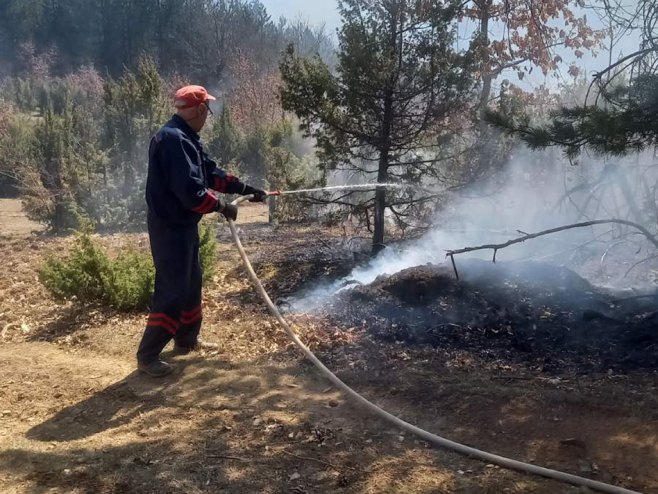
(189, 96)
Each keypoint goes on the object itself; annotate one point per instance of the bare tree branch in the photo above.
(496, 247)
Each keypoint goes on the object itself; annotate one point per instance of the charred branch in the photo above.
(496, 247)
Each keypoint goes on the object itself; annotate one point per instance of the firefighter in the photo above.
(178, 194)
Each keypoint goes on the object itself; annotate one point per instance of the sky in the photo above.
(317, 12)
(325, 12)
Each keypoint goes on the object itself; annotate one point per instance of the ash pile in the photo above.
(534, 312)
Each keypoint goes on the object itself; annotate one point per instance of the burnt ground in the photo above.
(541, 314)
(255, 417)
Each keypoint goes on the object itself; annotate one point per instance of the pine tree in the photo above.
(398, 76)
(627, 123)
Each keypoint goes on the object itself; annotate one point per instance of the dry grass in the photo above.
(254, 417)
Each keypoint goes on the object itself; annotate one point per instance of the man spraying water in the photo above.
(179, 191)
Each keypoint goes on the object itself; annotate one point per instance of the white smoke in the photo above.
(533, 197)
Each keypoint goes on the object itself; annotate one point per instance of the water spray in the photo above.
(363, 187)
(389, 417)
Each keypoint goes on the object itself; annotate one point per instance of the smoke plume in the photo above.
(537, 191)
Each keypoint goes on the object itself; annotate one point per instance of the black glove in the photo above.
(259, 194)
(229, 211)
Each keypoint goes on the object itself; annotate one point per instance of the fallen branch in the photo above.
(496, 247)
(226, 457)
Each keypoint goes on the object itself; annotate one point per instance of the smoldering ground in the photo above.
(587, 292)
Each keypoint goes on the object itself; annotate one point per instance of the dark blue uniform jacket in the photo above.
(180, 176)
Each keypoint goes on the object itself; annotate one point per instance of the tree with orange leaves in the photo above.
(527, 34)
(619, 116)
(519, 36)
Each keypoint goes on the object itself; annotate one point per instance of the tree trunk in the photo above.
(382, 175)
(384, 147)
(380, 204)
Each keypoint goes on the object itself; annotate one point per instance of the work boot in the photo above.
(157, 368)
(200, 345)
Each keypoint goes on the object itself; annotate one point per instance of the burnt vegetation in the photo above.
(545, 316)
(396, 99)
(517, 239)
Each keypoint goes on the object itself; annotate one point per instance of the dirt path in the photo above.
(254, 417)
(76, 421)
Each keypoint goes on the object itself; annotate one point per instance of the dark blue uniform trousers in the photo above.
(176, 312)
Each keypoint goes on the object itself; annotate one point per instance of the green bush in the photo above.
(207, 250)
(129, 282)
(90, 275)
(124, 282)
(80, 274)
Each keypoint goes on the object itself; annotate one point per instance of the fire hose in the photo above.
(406, 426)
